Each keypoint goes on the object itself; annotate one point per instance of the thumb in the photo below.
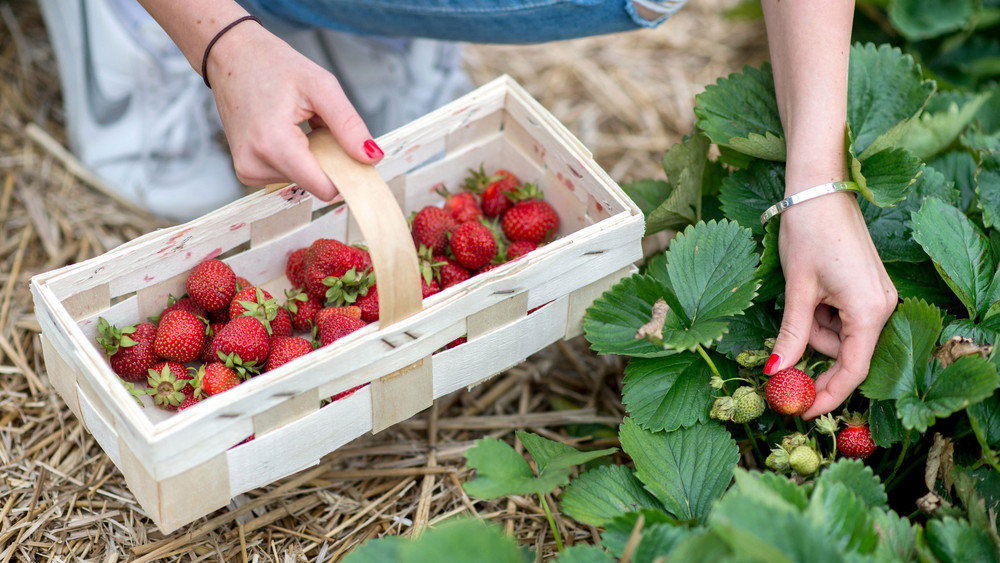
(343, 120)
(796, 323)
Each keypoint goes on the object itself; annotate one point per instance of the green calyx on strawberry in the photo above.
(130, 349)
(136, 393)
(855, 441)
(494, 190)
(112, 338)
(257, 303)
(790, 391)
(166, 386)
(245, 369)
(346, 289)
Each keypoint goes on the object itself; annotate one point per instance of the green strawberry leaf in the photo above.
(710, 266)
(968, 380)
(920, 282)
(611, 323)
(985, 419)
(886, 177)
(960, 252)
(954, 541)
(958, 168)
(903, 351)
(686, 470)
(988, 189)
(857, 478)
(667, 393)
(935, 131)
(884, 424)
(749, 331)
(890, 226)
(657, 541)
(605, 493)
(584, 554)
(379, 550)
(985, 332)
(769, 274)
(555, 460)
(763, 524)
(969, 485)
(500, 470)
(885, 88)
(465, 539)
(684, 165)
(923, 19)
(741, 112)
(618, 531)
(843, 515)
(648, 193)
(771, 487)
(706, 545)
(899, 536)
(747, 192)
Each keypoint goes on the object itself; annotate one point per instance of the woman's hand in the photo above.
(264, 89)
(837, 294)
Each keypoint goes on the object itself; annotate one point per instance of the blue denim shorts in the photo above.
(474, 21)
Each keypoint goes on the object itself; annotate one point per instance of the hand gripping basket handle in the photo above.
(382, 223)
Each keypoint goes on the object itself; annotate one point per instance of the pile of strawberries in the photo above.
(226, 329)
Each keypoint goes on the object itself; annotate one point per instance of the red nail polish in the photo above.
(372, 150)
(772, 364)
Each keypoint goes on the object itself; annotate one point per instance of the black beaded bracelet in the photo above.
(208, 48)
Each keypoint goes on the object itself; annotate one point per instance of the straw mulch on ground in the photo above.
(628, 97)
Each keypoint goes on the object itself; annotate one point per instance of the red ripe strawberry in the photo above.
(790, 391)
(243, 336)
(347, 310)
(486, 268)
(302, 309)
(212, 284)
(457, 342)
(281, 324)
(533, 220)
(130, 349)
(428, 289)
(519, 248)
(345, 394)
(855, 441)
(216, 378)
(295, 267)
(179, 337)
(337, 326)
(167, 384)
(328, 258)
(285, 349)
(430, 227)
(206, 352)
(242, 283)
(495, 190)
(184, 304)
(451, 272)
(368, 304)
(190, 401)
(462, 206)
(473, 245)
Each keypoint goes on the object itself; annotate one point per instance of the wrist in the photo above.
(220, 56)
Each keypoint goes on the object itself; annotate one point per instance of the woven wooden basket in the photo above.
(182, 466)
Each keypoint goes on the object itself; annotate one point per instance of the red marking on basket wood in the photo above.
(148, 278)
(172, 243)
(237, 226)
(212, 254)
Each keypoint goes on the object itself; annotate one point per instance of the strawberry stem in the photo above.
(552, 522)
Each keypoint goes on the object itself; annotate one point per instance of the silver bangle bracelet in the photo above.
(806, 195)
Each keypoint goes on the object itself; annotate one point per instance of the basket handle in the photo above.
(382, 223)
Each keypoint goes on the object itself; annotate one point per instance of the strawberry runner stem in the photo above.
(552, 522)
(746, 425)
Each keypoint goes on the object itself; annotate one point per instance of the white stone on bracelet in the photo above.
(806, 195)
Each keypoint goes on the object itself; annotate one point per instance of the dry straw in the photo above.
(628, 97)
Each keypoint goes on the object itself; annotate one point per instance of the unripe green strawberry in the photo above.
(790, 391)
(804, 460)
(749, 404)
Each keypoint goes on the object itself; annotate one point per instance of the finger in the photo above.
(796, 327)
(824, 340)
(850, 370)
(292, 159)
(339, 115)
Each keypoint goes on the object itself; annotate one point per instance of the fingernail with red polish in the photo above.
(772, 364)
(372, 150)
